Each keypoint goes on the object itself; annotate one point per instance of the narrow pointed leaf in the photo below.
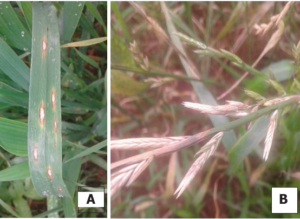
(13, 136)
(8, 208)
(13, 66)
(71, 171)
(90, 150)
(26, 8)
(70, 16)
(15, 172)
(94, 11)
(12, 29)
(251, 139)
(44, 119)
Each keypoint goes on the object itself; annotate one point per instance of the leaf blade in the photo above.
(44, 115)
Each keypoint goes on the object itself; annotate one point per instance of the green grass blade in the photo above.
(115, 9)
(91, 7)
(234, 17)
(13, 136)
(87, 24)
(46, 213)
(71, 171)
(26, 8)
(151, 72)
(248, 142)
(99, 161)
(12, 29)
(182, 26)
(282, 70)
(52, 203)
(44, 119)
(85, 35)
(70, 16)
(13, 66)
(8, 208)
(87, 59)
(14, 98)
(15, 172)
(100, 128)
(90, 150)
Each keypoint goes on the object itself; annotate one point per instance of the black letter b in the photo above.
(283, 198)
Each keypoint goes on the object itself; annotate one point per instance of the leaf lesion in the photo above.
(42, 114)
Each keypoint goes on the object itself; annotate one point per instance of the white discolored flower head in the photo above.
(270, 134)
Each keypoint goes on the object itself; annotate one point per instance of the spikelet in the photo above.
(270, 134)
(198, 164)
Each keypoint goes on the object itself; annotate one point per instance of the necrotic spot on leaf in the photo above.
(44, 46)
(42, 114)
(35, 153)
(49, 172)
(53, 100)
(55, 126)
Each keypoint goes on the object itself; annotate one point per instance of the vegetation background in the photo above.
(84, 111)
(149, 83)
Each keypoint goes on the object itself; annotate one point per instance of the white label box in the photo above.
(285, 200)
(91, 199)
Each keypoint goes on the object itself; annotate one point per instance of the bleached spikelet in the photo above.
(270, 134)
(210, 148)
(233, 108)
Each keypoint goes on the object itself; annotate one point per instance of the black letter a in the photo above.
(90, 199)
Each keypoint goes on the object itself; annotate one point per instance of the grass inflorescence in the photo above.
(246, 53)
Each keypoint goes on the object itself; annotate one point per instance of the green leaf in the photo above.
(101, 128)
(120, 53)
(13, 66)
(71, 171)
(22, 207)
(88, 25)
(99, 161)
(248, 142)
(14, 98)
(120, 20)
(90, 150)
(234, 17)
(13, 136)
(69, 17)
(47, 213)
(87, 59)
(15, 172)
(12, 29)
(44, 114)
(152, 73)
(124, 85)
(52, 203)
(26, 8)
(8, 208)
(95, 13)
